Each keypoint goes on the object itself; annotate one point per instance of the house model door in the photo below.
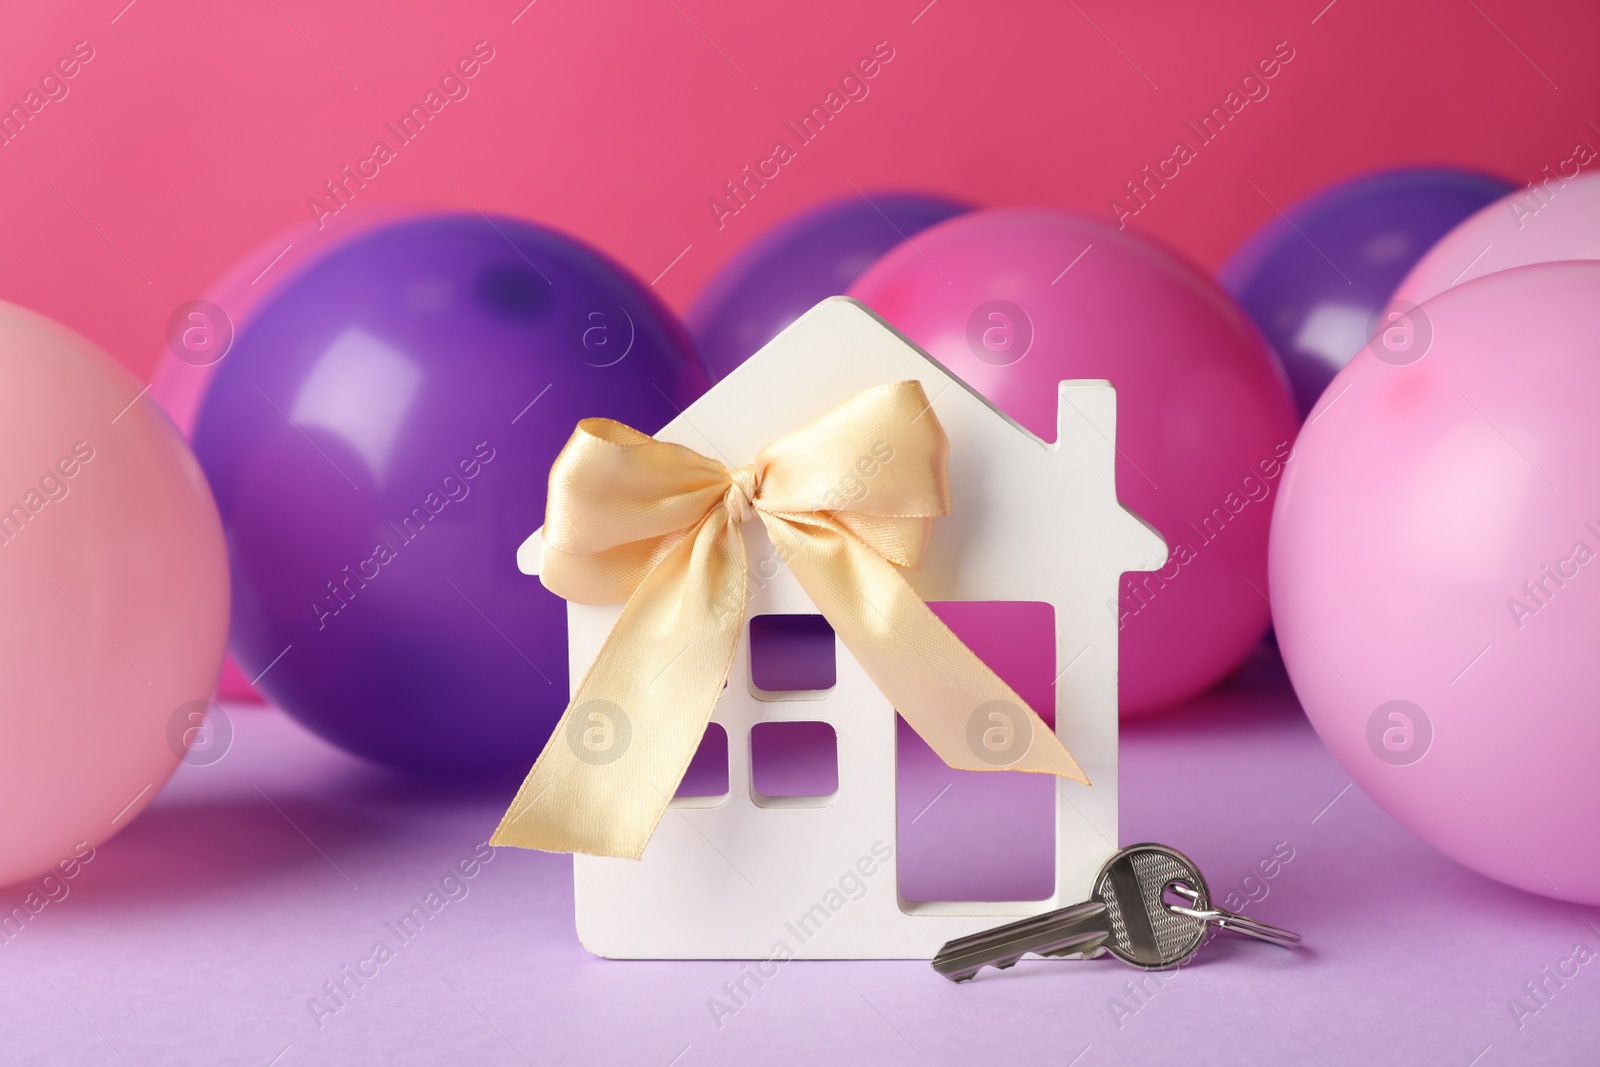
(750, 876)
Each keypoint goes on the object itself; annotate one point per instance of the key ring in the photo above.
(1228, 920)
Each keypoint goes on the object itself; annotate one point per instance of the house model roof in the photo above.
(1012, 496)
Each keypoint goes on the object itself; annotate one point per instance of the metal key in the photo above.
(1128, 915)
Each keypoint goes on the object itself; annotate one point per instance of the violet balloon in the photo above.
(379, 441)
(1316, 278)
(783, 273)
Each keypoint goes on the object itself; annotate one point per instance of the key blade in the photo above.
(1042, 929)
(1079, 947)
(1092, 909)
(1068, 930)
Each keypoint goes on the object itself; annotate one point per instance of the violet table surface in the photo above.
(198, 935)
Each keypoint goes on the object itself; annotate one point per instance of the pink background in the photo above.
(198, 131)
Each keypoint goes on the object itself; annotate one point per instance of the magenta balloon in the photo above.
(380, 440)
(1435, 567)
(1014, 301)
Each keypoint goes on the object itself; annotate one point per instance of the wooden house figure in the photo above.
(745, 876)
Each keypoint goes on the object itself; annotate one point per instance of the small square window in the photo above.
(794, 759)
(791, 653)
(707, 775)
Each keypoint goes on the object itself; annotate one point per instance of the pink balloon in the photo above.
(1014, 301)
(1542, 223)
(200, 332)
(1435, 567)
(115, 581)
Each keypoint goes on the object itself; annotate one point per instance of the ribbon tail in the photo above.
(961, 708)
(621, 748)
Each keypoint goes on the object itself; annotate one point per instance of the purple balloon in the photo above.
(786, 271)
(1315, 280)
(379, 440)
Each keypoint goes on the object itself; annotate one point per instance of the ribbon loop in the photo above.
(848, 501)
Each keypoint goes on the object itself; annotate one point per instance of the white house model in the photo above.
(729, 877)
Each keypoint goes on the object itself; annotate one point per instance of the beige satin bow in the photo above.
(846, 501)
